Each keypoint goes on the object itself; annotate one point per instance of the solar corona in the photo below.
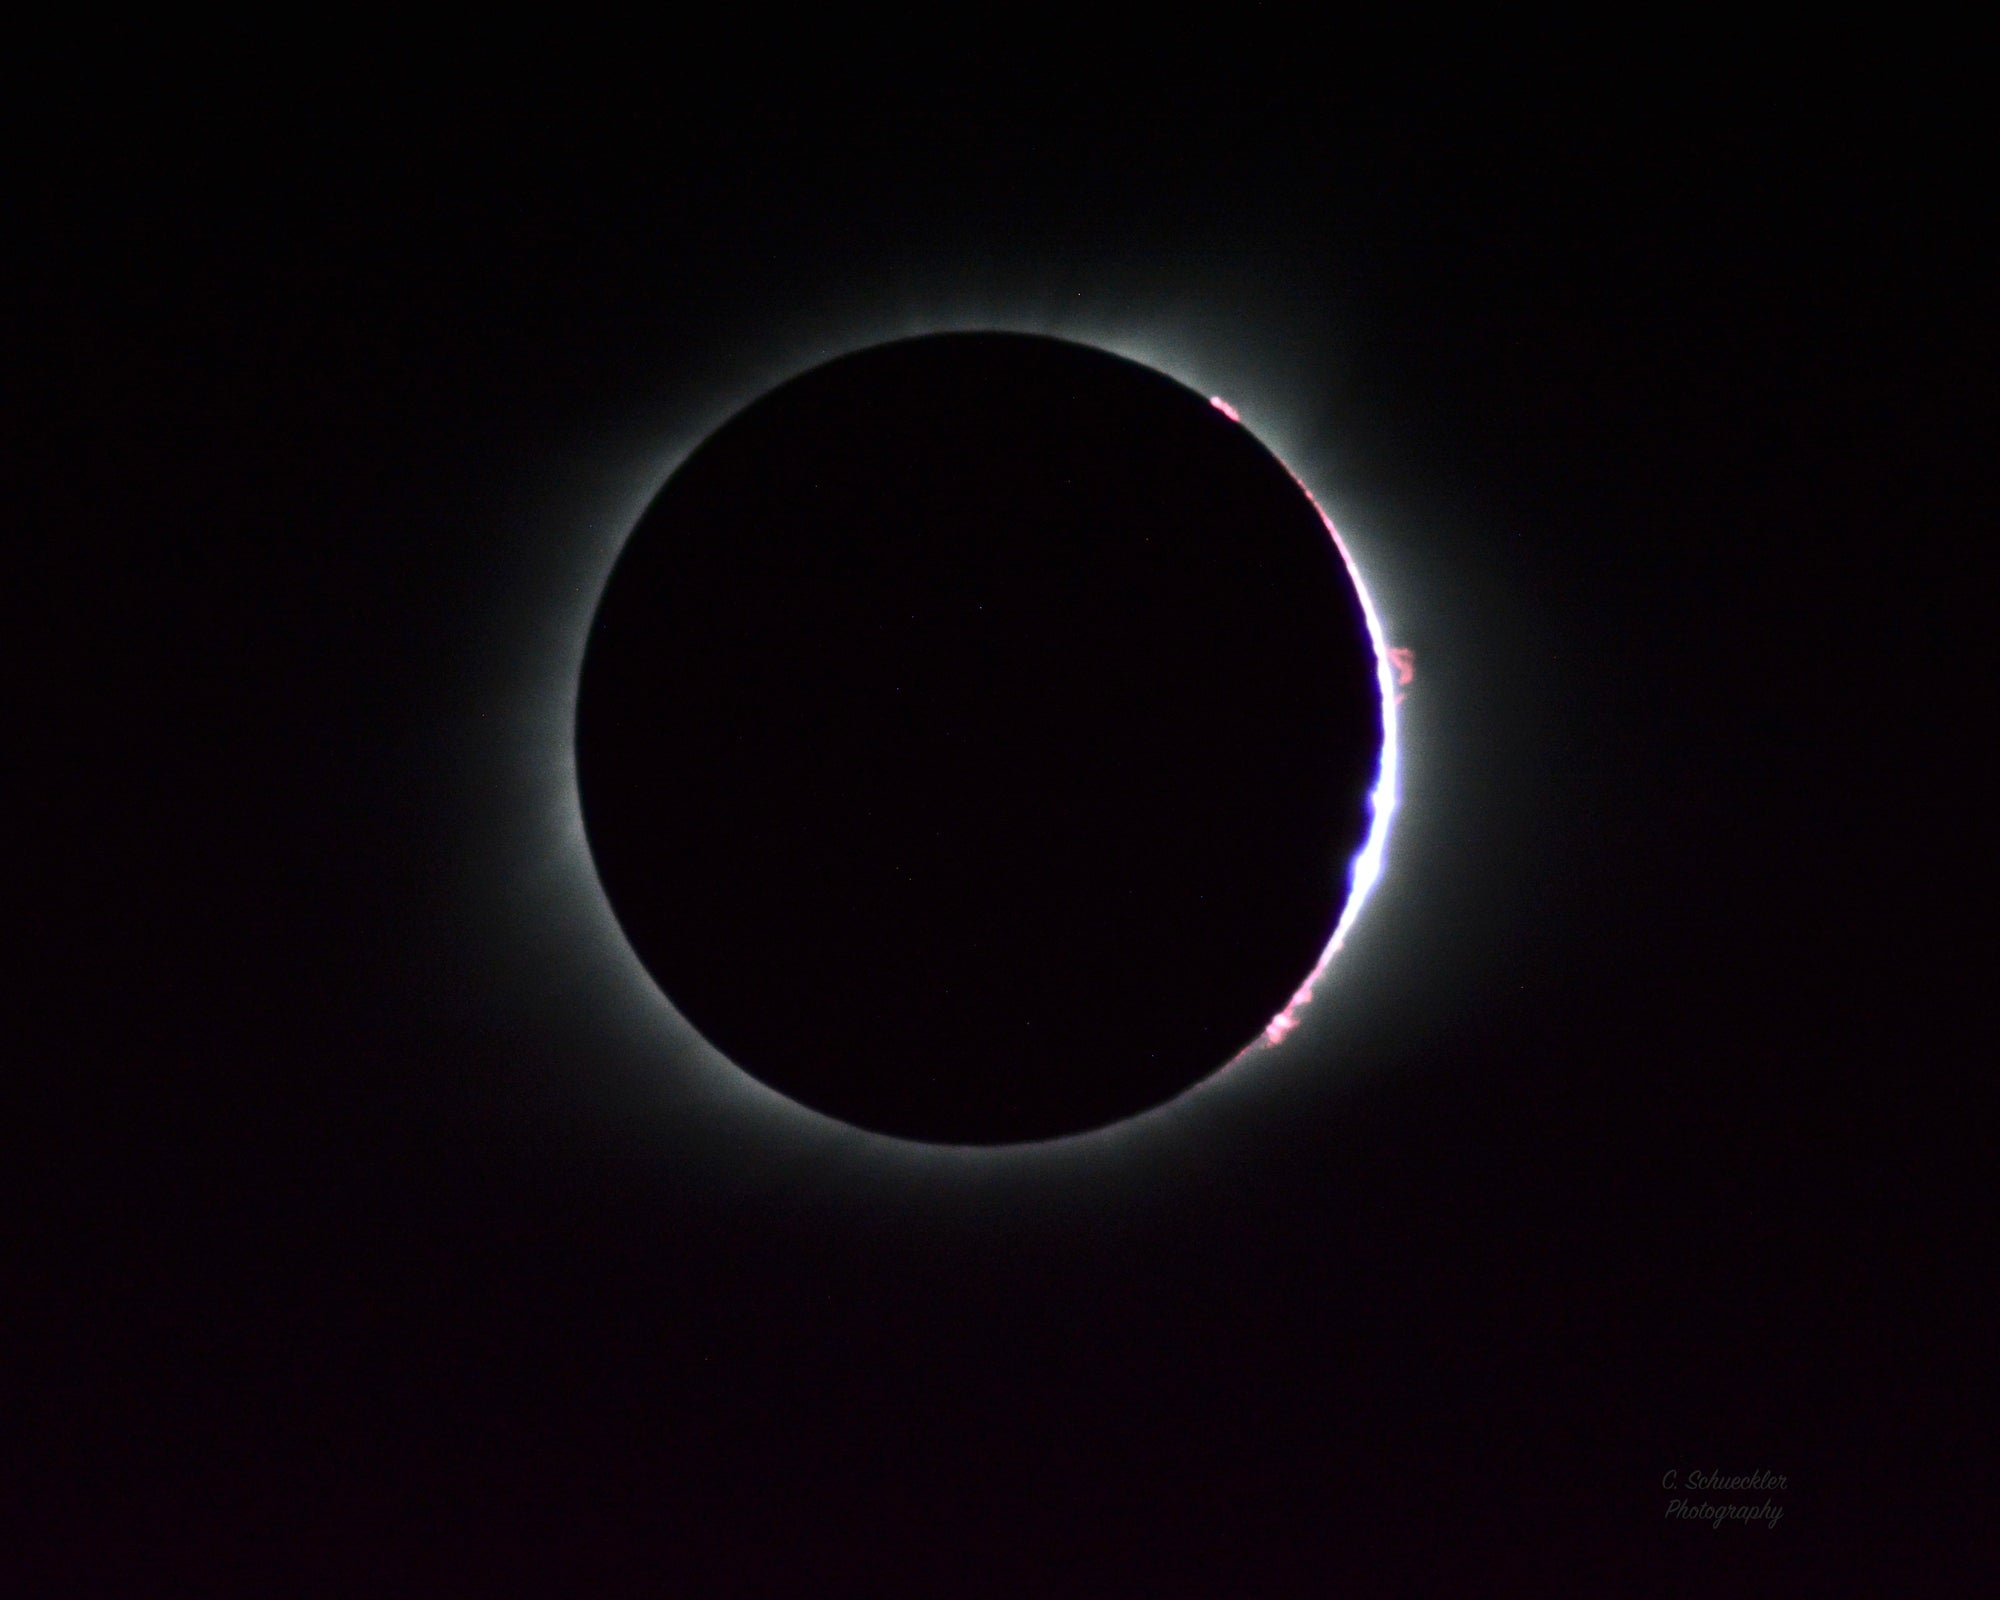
(983, 738)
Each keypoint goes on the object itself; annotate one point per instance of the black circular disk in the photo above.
(975, 737)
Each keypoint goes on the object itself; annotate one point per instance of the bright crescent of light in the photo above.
(1367, 866)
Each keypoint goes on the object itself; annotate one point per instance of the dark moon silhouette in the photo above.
(975, 736)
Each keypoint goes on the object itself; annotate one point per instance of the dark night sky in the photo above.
(367, 1219)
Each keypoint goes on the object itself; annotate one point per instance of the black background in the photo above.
(361, 1233)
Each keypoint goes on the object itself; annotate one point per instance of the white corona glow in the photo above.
(554, 891)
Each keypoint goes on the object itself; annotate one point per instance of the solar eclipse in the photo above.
(983, 738)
